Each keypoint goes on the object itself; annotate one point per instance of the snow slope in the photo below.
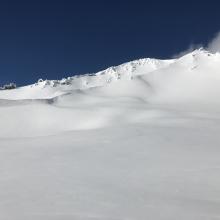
(52, 88)
(135, 141)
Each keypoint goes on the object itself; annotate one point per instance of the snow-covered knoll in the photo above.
(136, 141)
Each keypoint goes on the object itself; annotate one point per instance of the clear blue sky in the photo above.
(55, 39)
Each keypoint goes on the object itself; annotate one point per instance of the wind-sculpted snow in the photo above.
(137, 141)
(118, 95)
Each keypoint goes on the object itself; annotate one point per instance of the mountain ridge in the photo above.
(145, 68)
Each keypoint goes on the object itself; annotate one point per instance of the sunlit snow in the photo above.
(134, 142)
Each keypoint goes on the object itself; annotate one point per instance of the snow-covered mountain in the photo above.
(45, 89)
(135, 141)
(194, 75)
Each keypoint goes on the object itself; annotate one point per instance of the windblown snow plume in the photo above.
(192, 47)
(214, 45)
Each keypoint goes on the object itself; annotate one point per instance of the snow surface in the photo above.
(134, 142)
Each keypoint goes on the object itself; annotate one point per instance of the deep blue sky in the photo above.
(55, 39)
